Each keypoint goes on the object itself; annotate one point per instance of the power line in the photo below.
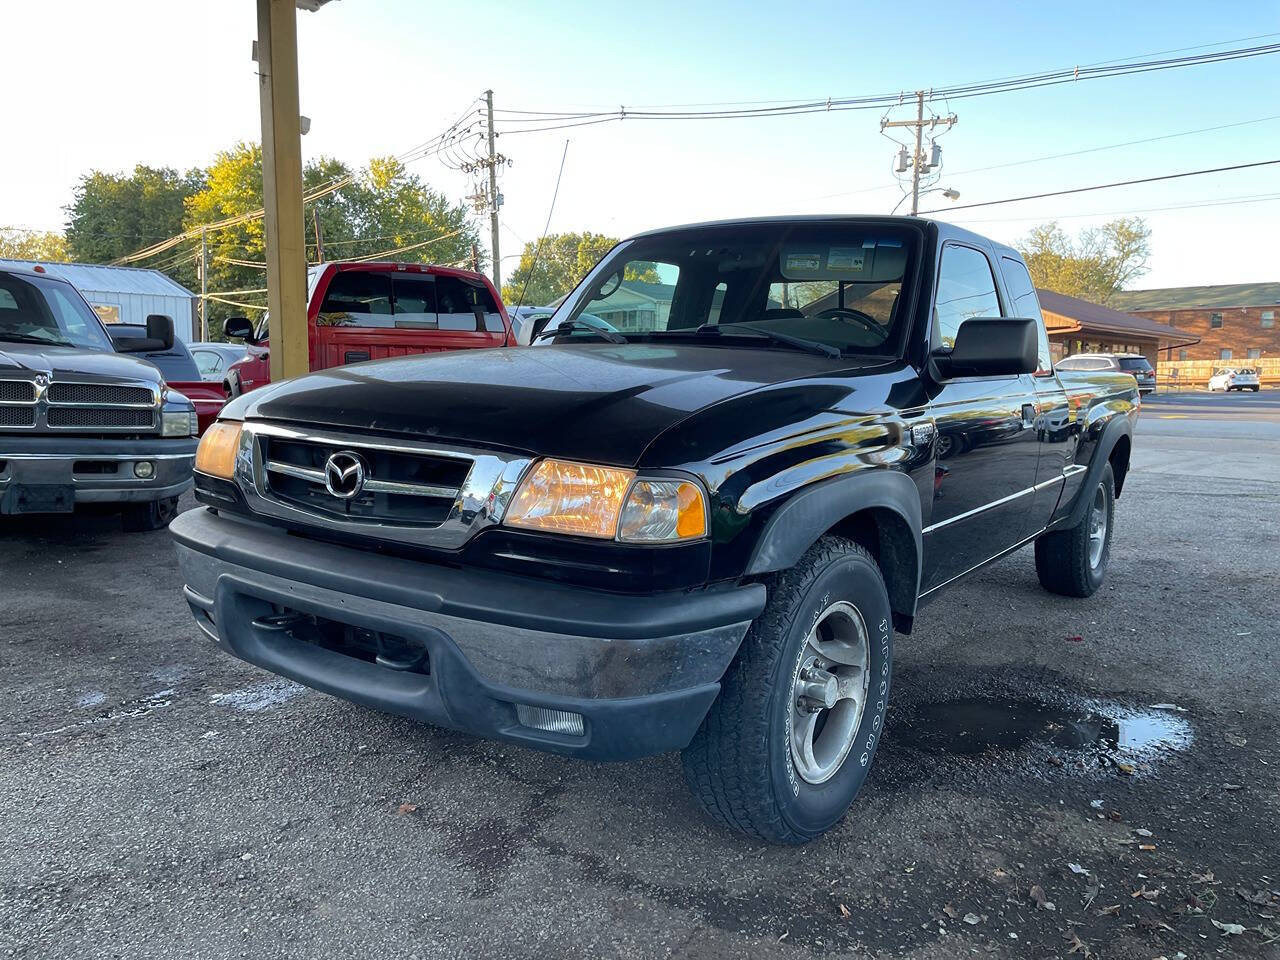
(1105, 186)
(560, 119)
(784, 100)
(1221, 202)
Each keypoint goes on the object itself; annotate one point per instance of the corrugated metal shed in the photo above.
(125, 294)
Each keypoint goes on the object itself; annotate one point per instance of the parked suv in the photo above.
(83, 420)
(1229, 379)
(1132, 363)
(699, 532)
(369, 311)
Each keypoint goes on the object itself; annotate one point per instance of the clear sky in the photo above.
(168, 82)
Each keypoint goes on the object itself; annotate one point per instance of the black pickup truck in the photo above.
(82, 420)
(693, 523)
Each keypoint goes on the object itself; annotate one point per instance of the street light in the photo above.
(949, 193)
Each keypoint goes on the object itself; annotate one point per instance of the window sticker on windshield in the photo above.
(846, 258)
(806, 262)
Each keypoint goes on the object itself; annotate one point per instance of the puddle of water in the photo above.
(259, 696)
(978, 725)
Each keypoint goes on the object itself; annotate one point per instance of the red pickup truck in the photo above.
(371, 311)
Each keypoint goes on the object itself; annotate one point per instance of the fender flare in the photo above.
(799, 521)
(1118, 426)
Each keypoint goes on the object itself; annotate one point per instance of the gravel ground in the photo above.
(159, 799)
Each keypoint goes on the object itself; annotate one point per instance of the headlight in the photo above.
(607, 503)
(660, 511)
(180, 423)
(576, 498)
(216, 454)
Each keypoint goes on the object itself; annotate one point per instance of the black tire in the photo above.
(1255, 389)
(140, 517)
(740, 765)
(1064, 561)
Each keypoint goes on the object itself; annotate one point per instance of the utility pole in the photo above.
(475, 258)
(494, 199)
(204, 286)
(315, 222)
(919, 163)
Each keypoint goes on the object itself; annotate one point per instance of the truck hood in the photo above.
(593, 402)
(66, 363)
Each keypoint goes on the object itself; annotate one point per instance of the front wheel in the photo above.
(156, 515)
(1073, 562)
(790, 740)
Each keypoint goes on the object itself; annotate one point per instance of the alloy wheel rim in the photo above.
(1097, 527)
(829, 692)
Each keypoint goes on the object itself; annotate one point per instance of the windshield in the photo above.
(831, 284)
(1135, 363)
(44, 310)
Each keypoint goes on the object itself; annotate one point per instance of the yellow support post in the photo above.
(282, 188)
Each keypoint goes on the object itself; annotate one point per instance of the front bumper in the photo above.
(641, 671)
(51, 474)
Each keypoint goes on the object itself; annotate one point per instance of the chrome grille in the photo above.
(17, 391)
(414, 492)
(18, 416)
(89, 417)
(406, 488)
(100, 393)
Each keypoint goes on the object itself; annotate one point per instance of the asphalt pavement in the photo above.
(1094, 777)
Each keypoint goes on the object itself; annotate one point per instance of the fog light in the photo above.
(144, 469)
(552, 721)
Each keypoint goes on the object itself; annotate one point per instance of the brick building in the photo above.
(1079, 326)
(1234, 322)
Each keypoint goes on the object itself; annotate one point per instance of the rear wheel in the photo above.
(790, 740)
(156, 515)
(1073, 562)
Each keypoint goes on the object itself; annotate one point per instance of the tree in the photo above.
(45, 245)
(113, 214)
(382, 209)
(1092, 267)
(561, 263)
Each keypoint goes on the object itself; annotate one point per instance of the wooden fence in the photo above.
(1192, 374)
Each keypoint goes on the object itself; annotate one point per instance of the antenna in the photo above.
(537, 250)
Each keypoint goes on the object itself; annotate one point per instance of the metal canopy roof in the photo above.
(97, 277)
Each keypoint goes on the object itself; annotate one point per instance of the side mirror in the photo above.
(160, 327)
(240, 328)
(989, 347)
(158, 339)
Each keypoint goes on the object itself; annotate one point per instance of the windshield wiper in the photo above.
(27, 338)
(569, 326)
(800, 343)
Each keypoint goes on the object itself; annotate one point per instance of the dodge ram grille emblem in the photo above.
(344, 474)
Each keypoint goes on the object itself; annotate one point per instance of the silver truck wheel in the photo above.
(791, 738)
(829, 693)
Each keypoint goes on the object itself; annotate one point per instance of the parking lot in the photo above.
(1098, 777)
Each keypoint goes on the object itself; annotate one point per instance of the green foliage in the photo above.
(113, 214)
(46, 245)
(1092, 267)
(382, 209)
(562, 262)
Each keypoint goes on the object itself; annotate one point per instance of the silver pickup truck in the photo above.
(81, 421)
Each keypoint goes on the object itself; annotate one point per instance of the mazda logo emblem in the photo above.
(344, 474)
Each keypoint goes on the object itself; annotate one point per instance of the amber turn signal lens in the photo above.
(575, 498)
(216, 454)
(662, 511)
